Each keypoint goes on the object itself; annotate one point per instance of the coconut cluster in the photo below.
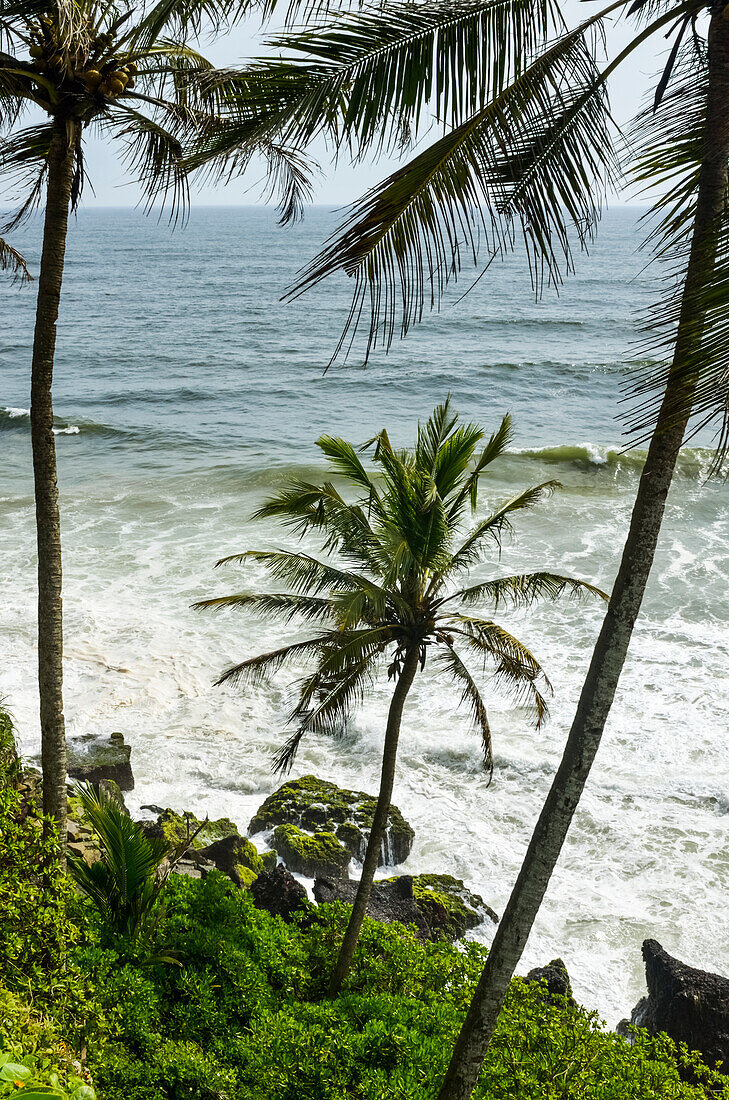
(98, 71)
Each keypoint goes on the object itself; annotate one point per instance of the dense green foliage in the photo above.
(244, 1017)
(33, 893)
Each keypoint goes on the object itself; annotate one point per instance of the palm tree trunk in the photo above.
(379, 820)
(612, 644)
(61, 161)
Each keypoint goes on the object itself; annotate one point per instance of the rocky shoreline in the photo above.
(313, 828)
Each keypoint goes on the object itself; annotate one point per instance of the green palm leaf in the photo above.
(395, 526)
(471, 697)
(523, 589)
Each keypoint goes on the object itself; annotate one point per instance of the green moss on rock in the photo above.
(269, 860)
(320, 854)
(316, 806)
(448, 906)
(177, 827)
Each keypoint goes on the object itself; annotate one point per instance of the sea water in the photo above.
(186, 391)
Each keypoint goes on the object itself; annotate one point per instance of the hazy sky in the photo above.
(337, 186)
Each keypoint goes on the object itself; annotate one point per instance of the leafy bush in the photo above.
(245, 1018)
(39, 1079)
(34, 930)
(33, 1062)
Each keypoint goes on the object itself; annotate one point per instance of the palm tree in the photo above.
(131, 74)
(527, 152)
(393, 595)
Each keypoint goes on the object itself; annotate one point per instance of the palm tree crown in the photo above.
(129, 71)
(399, 553)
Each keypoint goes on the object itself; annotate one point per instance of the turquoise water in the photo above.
(185, 390)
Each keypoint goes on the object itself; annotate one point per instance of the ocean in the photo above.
(186, 391)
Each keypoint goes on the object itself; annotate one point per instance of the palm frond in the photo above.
(371, 72)
(524, 589)
(183, 19)
(537, 157)
(328, 696)
(344, 459)
(256, 670)
(12, 261)
(154, 155)
(306, 574)
(515, 666)
(495, 447)
(470, 696)
(282, 605)
(24, 165)
(670, 143)
(492, 528)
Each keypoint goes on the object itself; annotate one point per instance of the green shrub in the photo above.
(246, 1018)
(34, 930)
(33, 1058)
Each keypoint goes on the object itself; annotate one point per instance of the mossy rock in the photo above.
(316, 806)
(237, 857)
(449, 908)
(91, 759)
(177, 828)
(269, 860)
(311, 855)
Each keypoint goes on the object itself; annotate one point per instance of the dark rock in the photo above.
(556, 977)
(156, 810)
(234, 856)
(151, 829)
(390, 900)
(91, 759)
(193, 866)
(313, 808)
(690, 1005)
(439, 906)
(449, 907)
(279, 893)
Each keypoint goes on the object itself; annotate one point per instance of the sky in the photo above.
(338, 185)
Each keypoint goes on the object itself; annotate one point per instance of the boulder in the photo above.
(338, 820)
(310, 854)
(177, 827)
(390, 900)
(279, 893)
(556, 978)
(439, 906)
(436, 895)
(91, 759)
(690, 1005)
(234, 856)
